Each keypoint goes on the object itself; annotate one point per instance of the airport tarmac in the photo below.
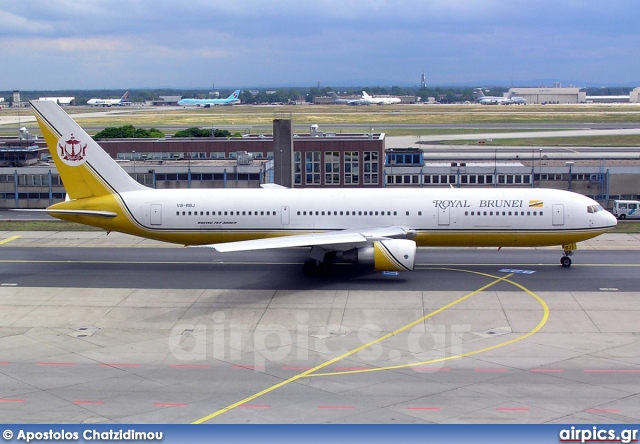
(98, 328)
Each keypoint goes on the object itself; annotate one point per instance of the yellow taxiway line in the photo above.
(310, 372)
(9, 239)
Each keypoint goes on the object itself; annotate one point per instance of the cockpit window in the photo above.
(594, 208)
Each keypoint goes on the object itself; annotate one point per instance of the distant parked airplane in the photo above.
(495, 100)
(109, 102)
(379, 100)
(233, 98)
(352, 102)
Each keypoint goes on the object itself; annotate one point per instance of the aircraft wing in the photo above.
(332, 240)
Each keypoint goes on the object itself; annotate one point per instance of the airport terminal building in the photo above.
(28, 179)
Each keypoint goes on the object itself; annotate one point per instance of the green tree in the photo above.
(200, 132)
(128, 132)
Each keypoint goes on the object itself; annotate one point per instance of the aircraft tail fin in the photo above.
(477, 93)
(234, 95)
(125, 96)
(365, 95)
(85, 168)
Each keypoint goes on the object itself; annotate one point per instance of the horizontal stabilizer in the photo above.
(73, 212)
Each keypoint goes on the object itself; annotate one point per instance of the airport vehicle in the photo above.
(381, 227)
(353, 102)
(626, 209)
(494, 100)
(206, 103)
(379, 100)
(109, 102)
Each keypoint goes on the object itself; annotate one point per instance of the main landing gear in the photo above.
(319, 262)
(565, 260)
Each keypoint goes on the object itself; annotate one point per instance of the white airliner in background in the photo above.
(109, 102)
(494, 100)
(379, 100)
(353, 102)
(231, 100)
(381, 226)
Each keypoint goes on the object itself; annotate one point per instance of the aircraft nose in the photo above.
(609, 219)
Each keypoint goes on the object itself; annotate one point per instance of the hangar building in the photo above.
(537, 96)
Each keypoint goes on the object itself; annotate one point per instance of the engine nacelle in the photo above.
(385, 255)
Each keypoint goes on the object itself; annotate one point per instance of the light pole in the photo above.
(280, 168)
(569, 164)
(540, 172)
(133, 154)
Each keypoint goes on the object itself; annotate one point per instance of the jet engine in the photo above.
(385, 255)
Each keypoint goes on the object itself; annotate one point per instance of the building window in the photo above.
(332, 168)
(297, 168)
(351, 168)
(312, 167)
(370, 165)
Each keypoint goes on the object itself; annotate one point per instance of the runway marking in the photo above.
(168, 404)
(9, 239)
(84, 402)
(612, 371)
(118, 365)
(602, 411)
(491, 370)
(434, 409)
(57, 364)
(254, 406)
(309, 372)
(512, 409)
(335, 407)
(546, 370)
(291, 367)
(189, 366)
(11, 400)
(430, 369)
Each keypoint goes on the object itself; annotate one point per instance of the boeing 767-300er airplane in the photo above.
(381, 226)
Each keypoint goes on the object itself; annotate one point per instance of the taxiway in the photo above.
(114, 329)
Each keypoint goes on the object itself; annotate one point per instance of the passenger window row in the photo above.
(352, 213)
(226, 213)
(503, 213)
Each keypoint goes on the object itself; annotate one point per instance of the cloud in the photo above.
(161, 42)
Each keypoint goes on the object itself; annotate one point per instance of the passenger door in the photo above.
(156, 214)
(558, 215)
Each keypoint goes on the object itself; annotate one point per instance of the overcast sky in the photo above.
(93, 44)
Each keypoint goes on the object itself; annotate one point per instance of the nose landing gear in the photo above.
(565, 260)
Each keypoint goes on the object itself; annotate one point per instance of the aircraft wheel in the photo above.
(310, 267)
(565, 261)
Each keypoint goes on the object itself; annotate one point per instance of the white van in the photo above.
(626, 209)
